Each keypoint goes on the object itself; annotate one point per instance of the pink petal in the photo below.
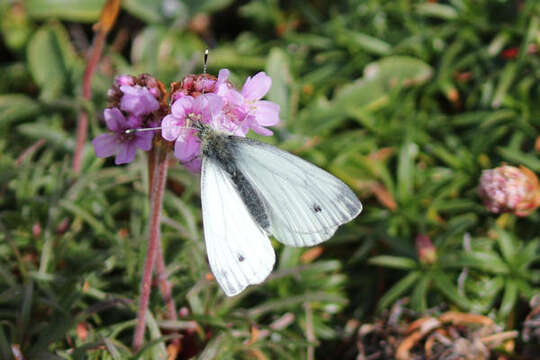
(105, 145)
(187, 148)
(212, 106)
(114, 119)
(221, 86)
(181, 106)
(194, 165)
(261, 130)
(267, 113)
(171, 127)
(256, 87)
(126, 154)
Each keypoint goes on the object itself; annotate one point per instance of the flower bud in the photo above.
(510, 189)
(427, 254)
(194, 85)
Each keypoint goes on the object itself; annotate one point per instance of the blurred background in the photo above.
(407, 101)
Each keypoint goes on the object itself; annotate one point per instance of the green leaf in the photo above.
(72, 10)
(53, 136)
(520, 158)
(509, 298)
(15, 107)
(436, 10)
(367, 43)
(148, 11)
(406, 171)
(50, 60)
(398, 289)
(450, 291)
(507, 245)
(399, 71)
(484, 261)
(394, 262)
(420, 293)
(278, 69)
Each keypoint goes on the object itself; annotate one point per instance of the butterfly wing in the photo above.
(239, 251)
(305, 204)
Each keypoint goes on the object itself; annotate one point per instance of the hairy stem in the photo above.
(161, 274)
(159, 178)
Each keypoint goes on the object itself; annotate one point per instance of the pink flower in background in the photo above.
(138, 100)
(177, 125)
(118, 143)
(510, 189)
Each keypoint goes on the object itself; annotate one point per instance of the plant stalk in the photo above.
(159, 179)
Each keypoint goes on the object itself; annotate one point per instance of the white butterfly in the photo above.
(251, 190)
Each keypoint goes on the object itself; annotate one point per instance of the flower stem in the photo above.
(108, 16)
(159, 178)
(161, 274)
(82, 124)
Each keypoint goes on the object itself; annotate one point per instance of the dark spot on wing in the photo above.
(241, 257)
(317, 208)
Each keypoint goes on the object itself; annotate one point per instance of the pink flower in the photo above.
(177, 125)
(203, 98)
(138, 100)
(260, 113)
(118, 142)
(244, 110)
(510, 189)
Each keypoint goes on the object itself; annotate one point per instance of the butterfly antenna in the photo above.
(138, 130)
(131, 131)
(205, 61)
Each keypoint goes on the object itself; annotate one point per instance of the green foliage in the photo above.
(407, 101)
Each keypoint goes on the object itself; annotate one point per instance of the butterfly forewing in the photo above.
(304, 203)
(239, 251)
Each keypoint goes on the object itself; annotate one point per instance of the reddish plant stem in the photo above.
(161, 274)
(82, 124)
(156, 198)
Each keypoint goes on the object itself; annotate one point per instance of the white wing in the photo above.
(239, 251)
(305, 204)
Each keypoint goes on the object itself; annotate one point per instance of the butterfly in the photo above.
(251, 190)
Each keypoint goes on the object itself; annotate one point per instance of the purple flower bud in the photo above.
(138, 100)
(510, 189)
(124, 80)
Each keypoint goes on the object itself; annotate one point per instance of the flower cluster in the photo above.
(135, 103)
(510, 189)
(197, 98)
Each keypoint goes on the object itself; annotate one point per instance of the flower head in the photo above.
(203, 98)
(510, 189)
(245, 109)
(118, 142)
(177, 126)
